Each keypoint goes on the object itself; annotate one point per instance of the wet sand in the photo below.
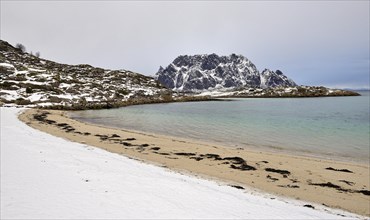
(335, 184)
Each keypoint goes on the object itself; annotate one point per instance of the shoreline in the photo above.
(110, 186)
(336, 184)
(247, 147)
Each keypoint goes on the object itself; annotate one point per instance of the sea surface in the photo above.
(328, 127)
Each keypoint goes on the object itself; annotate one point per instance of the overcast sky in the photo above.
(312, 42)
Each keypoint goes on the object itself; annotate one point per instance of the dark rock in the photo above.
(130, 139)
(278, 72)
(309, 206)
(115, 135)
(236, 186)
(155, 148)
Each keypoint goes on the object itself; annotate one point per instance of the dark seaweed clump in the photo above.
(283, 172)
(339, 170)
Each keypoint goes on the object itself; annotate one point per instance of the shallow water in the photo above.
(330, 127)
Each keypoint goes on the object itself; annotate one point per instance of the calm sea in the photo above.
(330, 127)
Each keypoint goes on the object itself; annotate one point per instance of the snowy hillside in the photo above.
(213, 72)
(28, 80)
(45, 177)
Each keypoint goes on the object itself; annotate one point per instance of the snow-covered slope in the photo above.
(45, 177)
(28, 80)
(213, 72)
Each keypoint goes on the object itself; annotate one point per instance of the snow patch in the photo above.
(7, 65)
(36, 70)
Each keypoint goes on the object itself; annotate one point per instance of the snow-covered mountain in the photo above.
(28, 80)
(213, 72)
(270, 79)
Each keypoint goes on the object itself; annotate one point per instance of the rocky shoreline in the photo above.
(292, 92)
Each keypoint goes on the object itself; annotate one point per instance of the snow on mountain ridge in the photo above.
(28, 80)
(209, 72)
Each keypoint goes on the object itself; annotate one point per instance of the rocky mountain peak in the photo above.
(210, 72)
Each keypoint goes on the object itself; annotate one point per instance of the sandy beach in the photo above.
(335, 184)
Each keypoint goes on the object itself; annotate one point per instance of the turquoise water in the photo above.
(330, 127)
